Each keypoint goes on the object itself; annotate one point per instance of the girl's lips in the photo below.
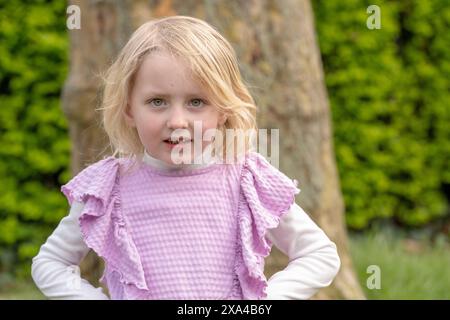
(173, 145)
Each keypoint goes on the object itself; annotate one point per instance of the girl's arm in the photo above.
(55, 268)
(313, 258)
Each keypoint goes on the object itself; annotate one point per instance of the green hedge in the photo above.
(35, 147)
(388, 90)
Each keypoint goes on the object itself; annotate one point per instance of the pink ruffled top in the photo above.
(182, 234)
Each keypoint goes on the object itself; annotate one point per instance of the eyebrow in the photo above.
(165, 95)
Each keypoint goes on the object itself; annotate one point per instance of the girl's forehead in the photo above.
(159, 67)
(163, 57)
(165, 73)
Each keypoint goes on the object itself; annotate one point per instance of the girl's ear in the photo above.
(129, 116)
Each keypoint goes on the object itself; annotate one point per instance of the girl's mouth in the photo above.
(173, 143)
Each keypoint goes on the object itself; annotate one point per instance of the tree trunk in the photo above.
(279, 57)
(105, 28)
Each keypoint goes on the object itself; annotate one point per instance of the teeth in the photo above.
(177, 141)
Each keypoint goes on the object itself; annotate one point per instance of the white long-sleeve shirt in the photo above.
(313, 259)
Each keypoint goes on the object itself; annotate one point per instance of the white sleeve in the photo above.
(55, 269)
(313, 258)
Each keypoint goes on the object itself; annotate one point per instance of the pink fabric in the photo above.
(186, 234)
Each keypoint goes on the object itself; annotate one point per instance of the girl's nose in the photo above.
(177, 119)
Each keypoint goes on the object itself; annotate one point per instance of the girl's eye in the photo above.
(197, 102)
(156, 102)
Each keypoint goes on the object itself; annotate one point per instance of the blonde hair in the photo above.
(212, 60)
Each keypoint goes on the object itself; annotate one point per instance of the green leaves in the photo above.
(388, 90)
(35, 146)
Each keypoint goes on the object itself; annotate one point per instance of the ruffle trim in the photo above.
(266, 194)
(103, 227)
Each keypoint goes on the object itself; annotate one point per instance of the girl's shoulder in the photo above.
(97, 180)
(266, 191)
(256, 168)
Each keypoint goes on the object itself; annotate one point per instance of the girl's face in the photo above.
(165, 98)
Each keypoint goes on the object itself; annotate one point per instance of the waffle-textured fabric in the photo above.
(182, 234)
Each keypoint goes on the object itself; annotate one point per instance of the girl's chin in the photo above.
(175, 158)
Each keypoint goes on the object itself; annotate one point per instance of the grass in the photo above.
(21, 290)
(410, 268)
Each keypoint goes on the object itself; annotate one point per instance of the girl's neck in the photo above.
(161, 165)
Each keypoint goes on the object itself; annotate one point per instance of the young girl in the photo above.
(189, 230)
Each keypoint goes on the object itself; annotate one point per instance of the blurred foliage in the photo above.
(388, 90)
(35, 147)
(389, 96)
